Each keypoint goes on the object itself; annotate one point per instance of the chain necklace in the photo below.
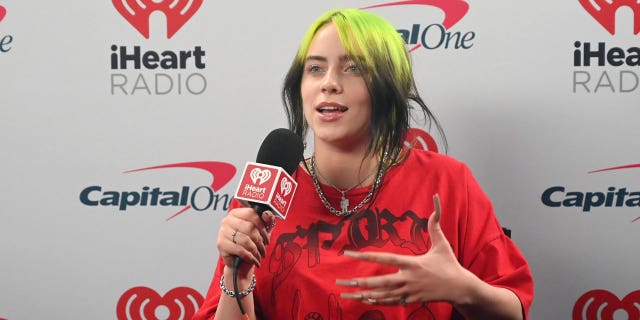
(344, 202)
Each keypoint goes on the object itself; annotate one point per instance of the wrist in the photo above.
(470, 292)
(246, 283)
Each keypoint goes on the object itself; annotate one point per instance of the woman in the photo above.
(360, 241)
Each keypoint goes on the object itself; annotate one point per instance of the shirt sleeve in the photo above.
(488, 252)
(209, 307)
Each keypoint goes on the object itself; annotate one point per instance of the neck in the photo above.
(345, 169)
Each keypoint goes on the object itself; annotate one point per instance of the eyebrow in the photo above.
(324, 59)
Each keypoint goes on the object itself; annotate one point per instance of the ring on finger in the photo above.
(403, 300)
(233, 236)
(372, 300)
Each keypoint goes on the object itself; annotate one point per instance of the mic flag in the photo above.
(268, 185)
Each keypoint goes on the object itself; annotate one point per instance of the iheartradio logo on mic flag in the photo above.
(268, 185)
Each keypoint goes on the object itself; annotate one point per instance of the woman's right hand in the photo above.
(245, 234)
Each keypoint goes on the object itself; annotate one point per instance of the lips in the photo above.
(331, 107)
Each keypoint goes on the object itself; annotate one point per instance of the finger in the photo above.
(229, 250)
(387, 282)
(268, 221)
(248, 251)
(435, 231)
(251, 216)
(232, 241)
(248, 222)
(391, 301)
(382, 297)
(391, 259)
(248, 230)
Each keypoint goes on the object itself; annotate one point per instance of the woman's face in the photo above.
(335, 98)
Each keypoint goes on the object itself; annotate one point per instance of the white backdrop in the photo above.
(514, 106)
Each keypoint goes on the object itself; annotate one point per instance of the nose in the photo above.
(331, 83)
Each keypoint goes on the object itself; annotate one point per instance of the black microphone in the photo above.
(281, 150)
(267, 183)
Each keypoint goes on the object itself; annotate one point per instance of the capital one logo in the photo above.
(177, 12)
(5, 41)
(454, 10)
(604, 11)
(285, 187)
(260, 176)
(435, 35)
(602, 304)
(144, 303)
(186, 196)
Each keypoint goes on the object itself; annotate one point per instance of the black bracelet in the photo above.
(241, 293)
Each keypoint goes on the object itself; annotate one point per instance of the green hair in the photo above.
(376, 48)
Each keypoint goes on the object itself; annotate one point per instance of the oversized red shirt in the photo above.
(305, 256)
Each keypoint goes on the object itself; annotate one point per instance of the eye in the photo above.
(313, 68)
(352, 68)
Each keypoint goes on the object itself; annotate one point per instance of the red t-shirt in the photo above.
(305, 256)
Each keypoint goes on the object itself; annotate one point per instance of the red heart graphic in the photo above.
(177, 12)
(604, 11)
(602, 304)
(3, 12)
(420, 139)
(142, 303)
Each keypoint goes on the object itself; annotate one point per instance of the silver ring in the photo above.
(372, 300)
(403, 300)
(233, 237)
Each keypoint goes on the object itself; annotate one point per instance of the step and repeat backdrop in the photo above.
(124, 125)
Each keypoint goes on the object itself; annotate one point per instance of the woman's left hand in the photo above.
(434, 276)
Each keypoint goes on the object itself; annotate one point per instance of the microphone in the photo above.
(267, 183)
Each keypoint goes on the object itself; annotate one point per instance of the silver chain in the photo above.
(327, 204)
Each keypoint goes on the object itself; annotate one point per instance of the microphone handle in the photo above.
(259, 208)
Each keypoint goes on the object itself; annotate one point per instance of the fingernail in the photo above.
(352, 254)
(256, 261)
(436, 203)
(265, 236)
(355, 296)
(347, 283)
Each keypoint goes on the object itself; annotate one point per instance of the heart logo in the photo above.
(260, 176)
(604, 11)
(602, 304)
(3, 12)
(144, 303)
(420, 139)
(137, 13)
(285, 187)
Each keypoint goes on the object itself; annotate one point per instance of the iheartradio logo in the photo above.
(145, 303)
(604, 11)
(268, 185)
(177, 13)
(285, 187)
(602, 304)
(259, 176)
